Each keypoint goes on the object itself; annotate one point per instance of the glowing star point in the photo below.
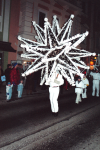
(45, 19)
(72, 16)
(33, 22)
(54, 50)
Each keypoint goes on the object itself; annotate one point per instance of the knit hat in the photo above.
(8, 65)
(9, 83)
(14, 64)
(79, 77)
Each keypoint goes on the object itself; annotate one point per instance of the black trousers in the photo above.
(14, 91)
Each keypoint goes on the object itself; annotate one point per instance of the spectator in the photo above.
(7, 73)
(1, 74)
(14, 79)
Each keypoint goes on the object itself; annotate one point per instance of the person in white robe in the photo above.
(95, 86)
(79, 90)
(86, 83)
(55, 81)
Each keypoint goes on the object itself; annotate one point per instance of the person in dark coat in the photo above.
(7, 73)
(1, 74)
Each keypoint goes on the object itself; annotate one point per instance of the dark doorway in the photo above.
(41, 19)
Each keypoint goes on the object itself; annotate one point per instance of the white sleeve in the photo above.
(99, 76)
(87, 81)
(82, 84)
(61, 80)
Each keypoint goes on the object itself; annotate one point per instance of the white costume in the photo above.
(20, 90)
(9, 92)
(86, 83)
(54, 83)
(96, 78)
(79, 90)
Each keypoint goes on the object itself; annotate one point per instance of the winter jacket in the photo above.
(15, 76)
(7, 74)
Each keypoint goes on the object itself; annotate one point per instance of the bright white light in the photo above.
(55, 50)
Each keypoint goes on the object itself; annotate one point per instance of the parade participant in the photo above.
(96, 78)
(55, 81)
(14, 79)
(79, 90)
(86, 83)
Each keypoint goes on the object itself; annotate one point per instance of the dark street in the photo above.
(28, 123)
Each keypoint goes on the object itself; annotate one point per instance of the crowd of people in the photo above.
(82, 84)
(15, 84)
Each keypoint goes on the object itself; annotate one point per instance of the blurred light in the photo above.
(91, 67)
(24, 62)
(91, 63)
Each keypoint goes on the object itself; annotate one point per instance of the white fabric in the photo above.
(85, 81)
(84, 95)
(79, 87)
(78, 91)
(59, 79)
(95, 88)
(54, 91)
(78, 98)
(96, 78)
(9, 92)
(20, 90)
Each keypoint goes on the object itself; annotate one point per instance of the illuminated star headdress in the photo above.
(55, 50)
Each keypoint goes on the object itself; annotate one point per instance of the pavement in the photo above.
(43, 126)
(40, 92)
